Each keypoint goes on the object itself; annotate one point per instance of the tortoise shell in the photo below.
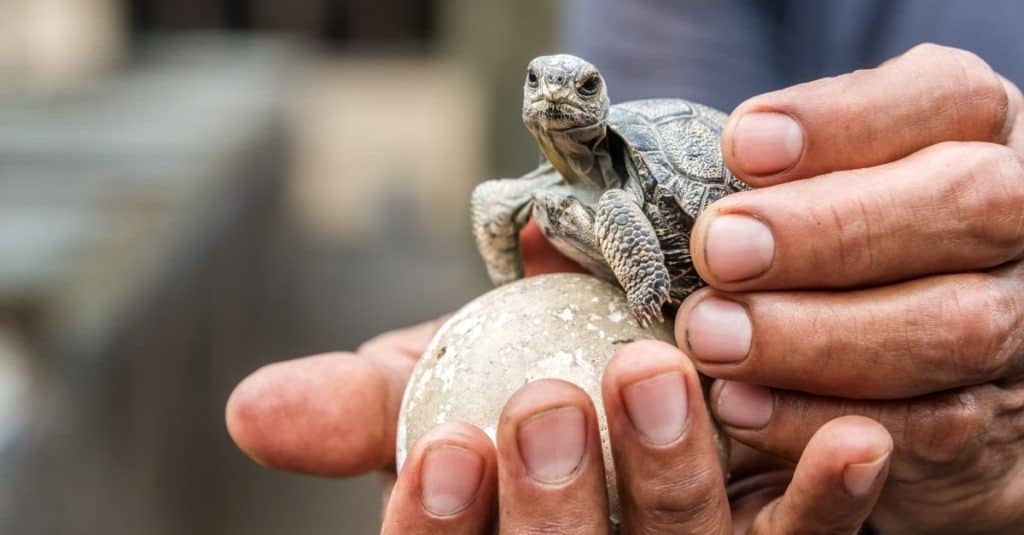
(676, 150)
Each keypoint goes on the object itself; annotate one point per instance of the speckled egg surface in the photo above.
(564, 326)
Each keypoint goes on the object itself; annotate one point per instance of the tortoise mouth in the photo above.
(561, 113)
(558, 115)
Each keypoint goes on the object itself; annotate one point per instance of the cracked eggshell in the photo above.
(564, 326)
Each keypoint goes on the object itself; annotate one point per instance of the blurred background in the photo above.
(190, 189)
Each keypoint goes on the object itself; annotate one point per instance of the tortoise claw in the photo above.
(646, 303)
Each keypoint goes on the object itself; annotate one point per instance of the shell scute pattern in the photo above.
(694, 149)
(655, 110)
(675, 147)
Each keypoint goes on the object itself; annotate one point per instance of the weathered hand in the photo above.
(546, 475)
(329, 415)
(879, 274)
(335, 414)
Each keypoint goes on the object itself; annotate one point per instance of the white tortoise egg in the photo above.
(564, 326)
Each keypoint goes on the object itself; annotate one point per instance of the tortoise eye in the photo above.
(531, 78)
(590, 86)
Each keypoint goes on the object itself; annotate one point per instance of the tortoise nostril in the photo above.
(556, 78)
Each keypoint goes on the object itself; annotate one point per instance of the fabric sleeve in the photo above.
(713, 52)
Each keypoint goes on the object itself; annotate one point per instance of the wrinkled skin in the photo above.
(312, 415)
(892, 289)
(563, 92)
(893, 284)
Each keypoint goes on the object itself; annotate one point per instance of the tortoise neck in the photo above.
(578, 154)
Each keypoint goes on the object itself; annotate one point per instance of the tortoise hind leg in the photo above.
(630, 246)
(500, 209)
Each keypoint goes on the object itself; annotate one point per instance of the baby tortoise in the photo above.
(618, 190)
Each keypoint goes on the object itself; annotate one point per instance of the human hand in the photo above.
(878, 273)
(546, 475)
(335, 414)
(330, 415)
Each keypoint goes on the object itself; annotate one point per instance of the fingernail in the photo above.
(766, 143)
(738, 247)
(450, 477)
(657, 407)
(743, 405)
(552, 443)
(718, 331)
(860, 478)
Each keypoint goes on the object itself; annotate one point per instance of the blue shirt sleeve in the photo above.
(720, 52)
(714, 52)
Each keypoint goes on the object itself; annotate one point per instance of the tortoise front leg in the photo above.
(631, 248)
(500, 209)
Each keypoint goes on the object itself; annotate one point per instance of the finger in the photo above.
(750, 495)
(1014, 130)
(670, 476)
(928, 95)
(950, 208)
(550, 467)
(938, 430)
(540, 257)
(897, 341)
(447, 485)
(329, 415)
(755, 480)
(836, 482)
(404, 345)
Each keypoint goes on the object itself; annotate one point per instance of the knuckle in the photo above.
(928, 50)
(985, 318)
(969, 66)
(945, 429)
(988, 198)
(964, 65)
(669, 500)
(1006, 204)
(974, 69)
(1004, 163)
(854, 248)
(977, 87)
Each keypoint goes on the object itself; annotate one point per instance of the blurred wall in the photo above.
(49, 45)
(210, 187)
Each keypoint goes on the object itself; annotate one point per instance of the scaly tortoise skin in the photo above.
(619, 190)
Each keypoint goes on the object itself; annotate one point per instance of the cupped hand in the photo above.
(878, 272)
(336, 414)
(546, 474)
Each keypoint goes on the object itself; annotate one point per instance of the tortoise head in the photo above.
(563, 92)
